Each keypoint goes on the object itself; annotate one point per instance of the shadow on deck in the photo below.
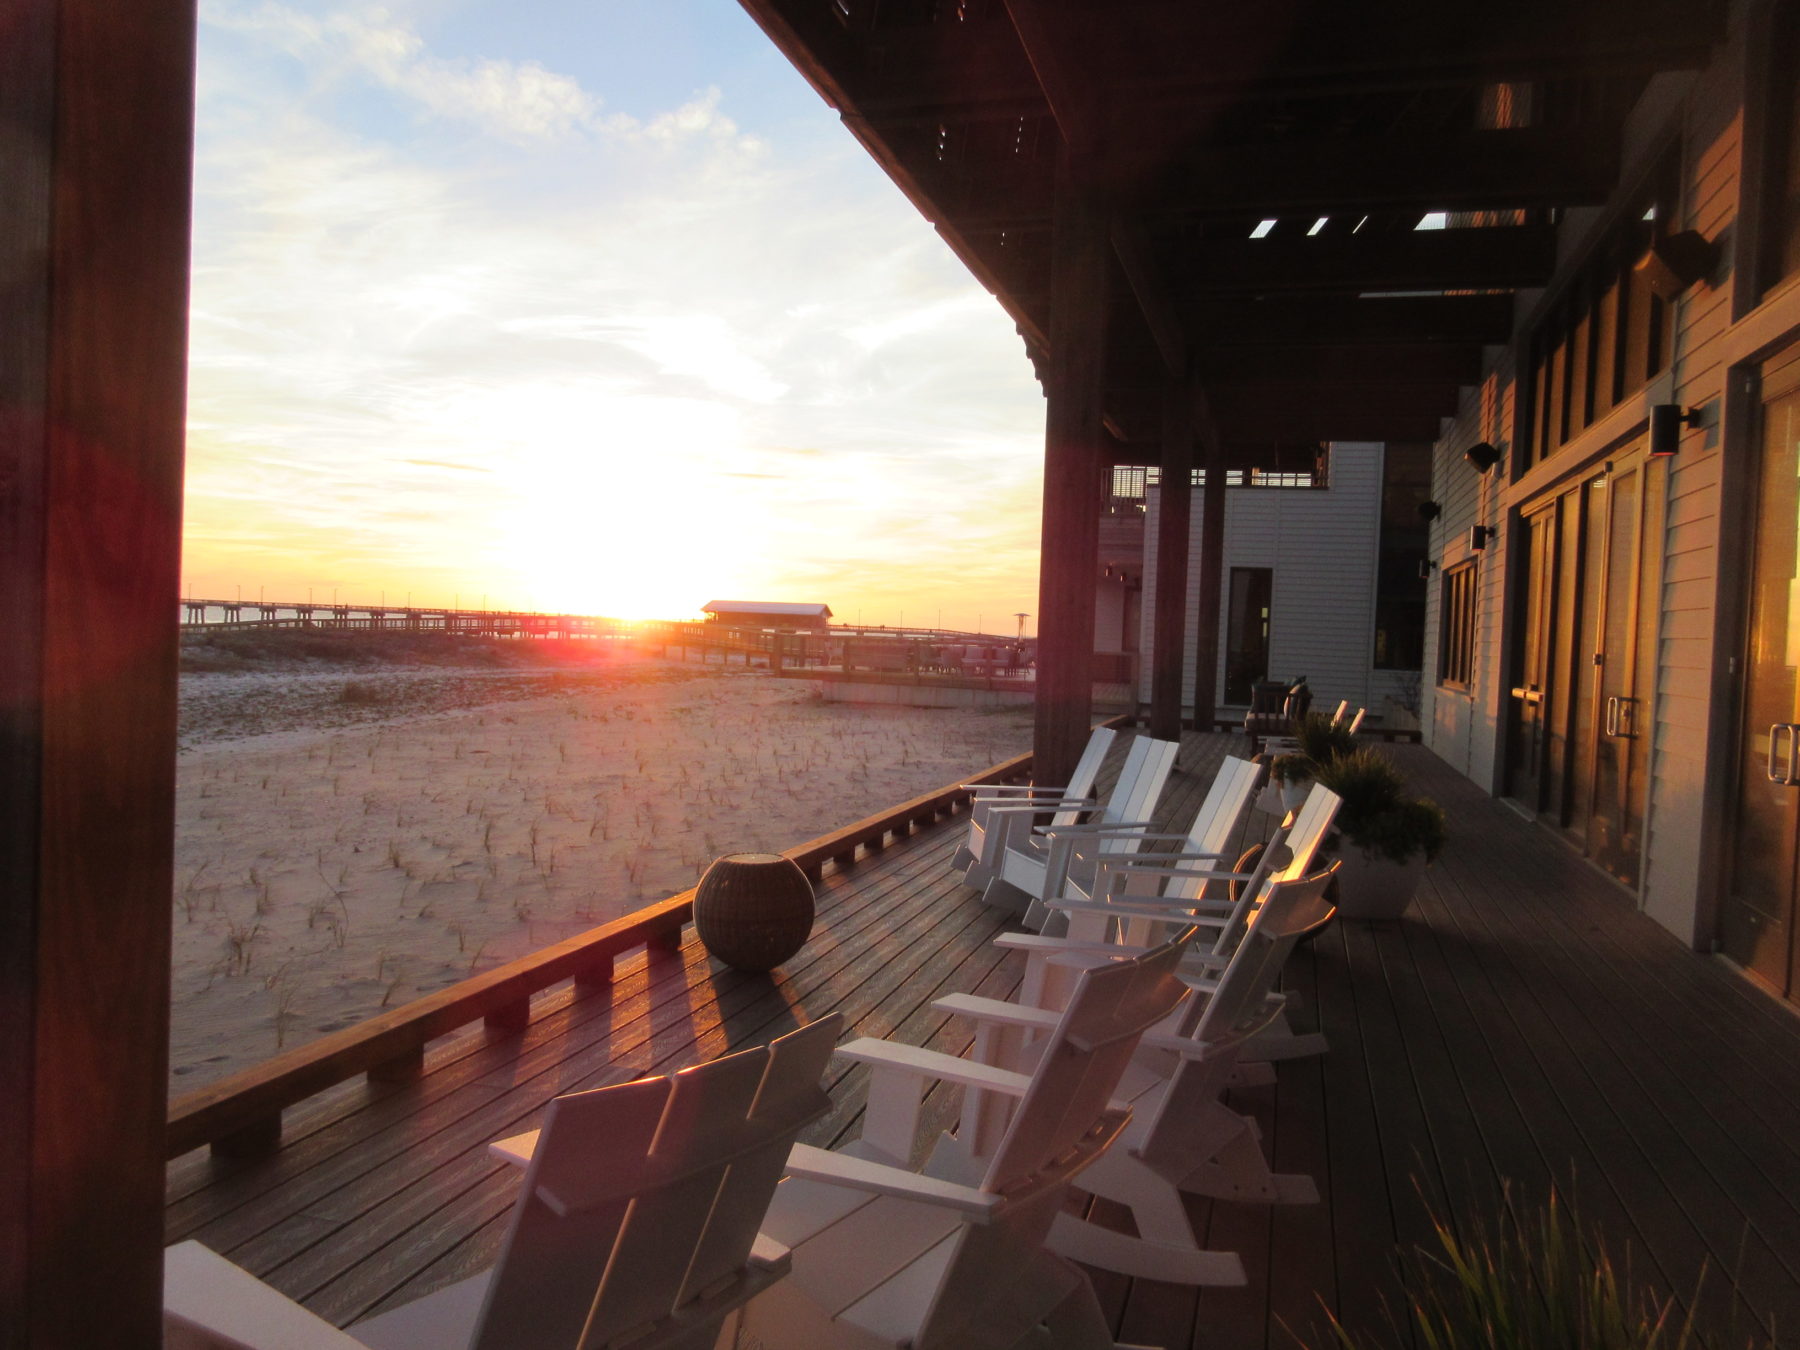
(1522, 1025)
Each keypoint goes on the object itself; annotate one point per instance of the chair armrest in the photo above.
(1098, 827)
(840, 1169)
(1022, 788)
(880, 1054)
(1134, 860)
(1145, 865)
(1202, 912)
(516, 1150)
(1047, 804)
(997, 1010)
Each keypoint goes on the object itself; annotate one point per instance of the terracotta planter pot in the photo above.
(753, 910)
(1371, 887)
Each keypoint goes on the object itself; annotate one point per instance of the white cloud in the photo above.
(377, 310)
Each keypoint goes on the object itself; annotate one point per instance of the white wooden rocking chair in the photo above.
(637, 1223)
(1206, 849)
(979, 856)
(1036, 863)
(950, 1257)
(1127, 920)
(1182, 1136)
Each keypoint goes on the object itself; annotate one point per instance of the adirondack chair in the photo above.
(1185, 900)
(637, 1222)
(979, 856)
(1210, 840)
(1038, 862)
(1182, 1137)
(950, 1257)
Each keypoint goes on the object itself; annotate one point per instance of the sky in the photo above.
(582, 306)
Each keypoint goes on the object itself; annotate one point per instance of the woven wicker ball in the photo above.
(753, 910)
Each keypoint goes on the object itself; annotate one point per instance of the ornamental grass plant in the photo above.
(1533, 1282)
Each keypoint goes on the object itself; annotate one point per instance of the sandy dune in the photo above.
(383, 834)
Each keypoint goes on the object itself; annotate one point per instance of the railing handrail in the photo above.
(243, 1111)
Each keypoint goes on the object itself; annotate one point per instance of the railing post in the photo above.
(402, 1068)
(509, 1018)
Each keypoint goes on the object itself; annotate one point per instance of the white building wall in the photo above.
(1322, 546)
(1109, 616)
(1693, 671)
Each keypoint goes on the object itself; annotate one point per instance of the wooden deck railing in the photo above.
(242, 1113)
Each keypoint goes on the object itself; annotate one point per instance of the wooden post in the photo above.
(1212, 571)
(1173, 512)
(96, 99)
(1074, 469)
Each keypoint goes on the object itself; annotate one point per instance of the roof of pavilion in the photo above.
(1345, 125)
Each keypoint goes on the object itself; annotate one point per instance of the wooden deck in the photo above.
(1523, 1023)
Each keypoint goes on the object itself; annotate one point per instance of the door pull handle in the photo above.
(1782, 770)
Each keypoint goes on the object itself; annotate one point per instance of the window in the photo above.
(1456, 645)
(1784, 148)
(1399, 589)
(1608, 335)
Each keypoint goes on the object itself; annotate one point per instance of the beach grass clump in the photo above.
(1533, 1281)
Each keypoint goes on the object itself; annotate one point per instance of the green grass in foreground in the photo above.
(1534, 1283)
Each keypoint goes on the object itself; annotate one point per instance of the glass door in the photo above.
(1247, 631)
(1579, 730)
(1756, 920)
(1526, 744)
(1624, 667)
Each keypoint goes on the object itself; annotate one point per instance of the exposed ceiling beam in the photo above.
(1066, 84)
(1284, 49)
(1151, 289)
(1333, 322)
(1499, 258)
(1367, 364)
(1466, 171)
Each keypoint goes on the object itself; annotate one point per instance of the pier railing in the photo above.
(241, 1114)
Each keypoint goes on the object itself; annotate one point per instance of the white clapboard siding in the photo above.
(1322, 545)
(1690, 581)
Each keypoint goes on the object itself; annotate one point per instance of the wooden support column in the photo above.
(1173, 512)
(1212, 575)
(1074, 469)
(96, 152)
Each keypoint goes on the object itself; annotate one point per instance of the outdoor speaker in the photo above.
(1482, 455)
(1666, 423)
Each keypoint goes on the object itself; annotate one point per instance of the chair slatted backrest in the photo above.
(1087, 769)
(1147, 767)
(642, 1197)
(1080, 786)
(1299, 839)
(1061, 1123)
(1216, 826)
(1238, 1007)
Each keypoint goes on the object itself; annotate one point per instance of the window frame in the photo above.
(1458, 620)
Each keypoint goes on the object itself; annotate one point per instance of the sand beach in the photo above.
(354, 832)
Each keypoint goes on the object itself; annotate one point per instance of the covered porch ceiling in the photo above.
(1265, 170)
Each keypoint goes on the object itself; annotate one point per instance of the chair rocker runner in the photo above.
(1035, 863)
(637, 1223)
(1182, 1136)
(976, 859)
(950, 1257)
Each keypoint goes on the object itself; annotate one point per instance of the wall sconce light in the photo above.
(1430, 510)
(1482, 455)
(1666, 422)
(1676, 262)
(1478, 537)
(1426, 568)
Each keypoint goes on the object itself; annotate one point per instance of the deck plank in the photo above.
(1522, 1026)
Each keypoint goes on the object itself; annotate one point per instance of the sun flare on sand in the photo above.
(614, 512)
